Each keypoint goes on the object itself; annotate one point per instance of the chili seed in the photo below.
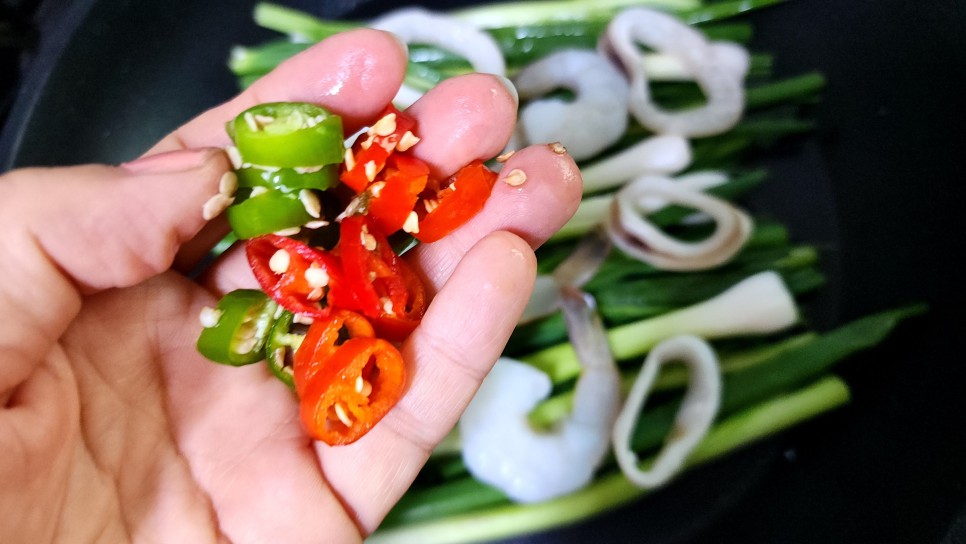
(209, 317)
(310, 201)
(385, 126)
(350, 159)
(505, 156)
(263, 120)
(250, 121)
(307, 169)
(368, 240)
(340, 412)
(280, 261)
(370, 170)
(412, 223)
(316, 224)
(234, 156)
(515, 178)
(557, 148)
(315, 294)
(430, 204)
(260, 190)
(302, 319)
(292, 231)
(215, 205)
(376, 188)
(228, 184)
(364, 387)
(407, 141)
(316, 277)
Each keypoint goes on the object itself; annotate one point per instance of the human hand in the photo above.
(114, 428)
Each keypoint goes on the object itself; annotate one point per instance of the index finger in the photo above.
(353, 74)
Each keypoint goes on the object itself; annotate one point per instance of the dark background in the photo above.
(880, 186)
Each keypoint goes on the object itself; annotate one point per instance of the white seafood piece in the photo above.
(718, 68)
(589, 123)
(421, 26)
(693, 420)
(575, 271)
(501, 448)
(695, 181)
(633, 233)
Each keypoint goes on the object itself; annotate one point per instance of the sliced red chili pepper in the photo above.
(324, 337)
(399, 186)
(368, 155)
(462, 197)
(353, 390)
(377, 283)
(408, 299)
(296, 276)
(357, 292)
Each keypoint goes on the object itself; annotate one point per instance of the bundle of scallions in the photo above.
(770, 381)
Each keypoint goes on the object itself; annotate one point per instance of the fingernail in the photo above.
(510, 87)
(170, 162)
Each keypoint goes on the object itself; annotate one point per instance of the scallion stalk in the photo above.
(299, 25)
(613, 490)
(532, 12)
(716, 11)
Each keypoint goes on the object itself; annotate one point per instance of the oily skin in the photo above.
(114, 429)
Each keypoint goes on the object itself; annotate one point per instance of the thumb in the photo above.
(109, 226)
(69, 231)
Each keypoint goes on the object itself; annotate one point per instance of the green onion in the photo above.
(533, 12)
(717, 11)
(613, 490)
(298, 24)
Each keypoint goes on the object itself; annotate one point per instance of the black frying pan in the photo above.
(880, 187)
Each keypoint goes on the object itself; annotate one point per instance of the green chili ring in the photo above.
(289, 180)
(243, 320)
(281, 346)
(288, 135)
(268, 212)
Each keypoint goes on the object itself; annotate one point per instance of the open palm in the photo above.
(114, 429)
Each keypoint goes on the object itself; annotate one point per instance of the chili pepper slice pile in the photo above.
(328, 312)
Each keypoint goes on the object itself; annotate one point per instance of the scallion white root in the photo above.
(655, 155)
(759, 304)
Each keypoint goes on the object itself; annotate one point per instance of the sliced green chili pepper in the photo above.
(285, 338)
(289, 179)
(236, 330)
(267, 212)
(288, 135)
